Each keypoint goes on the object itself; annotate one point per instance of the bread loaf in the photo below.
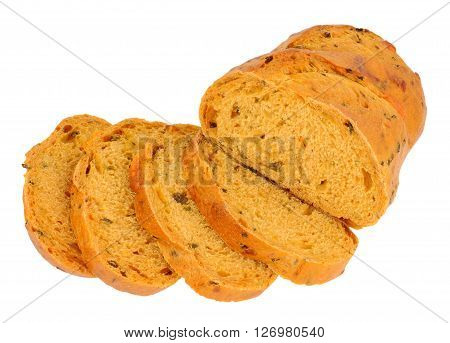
(194, 250)
(263, 222)
(332, 139)
(295, 146)
(116, 248)
(46, 193)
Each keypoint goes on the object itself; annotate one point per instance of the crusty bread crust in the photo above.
(82, 270)
(211, 204)
(374, 61)
(84, 227)
(184, 262)
(71, 262)
(201, 282)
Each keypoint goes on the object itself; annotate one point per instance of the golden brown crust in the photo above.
(70, 261)
(291, 266)
(200, 281)
(82, 270)
(182, 261)
(84, 227)
(360, 53)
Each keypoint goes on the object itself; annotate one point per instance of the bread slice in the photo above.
(372, 61)
(261, 221)
(117, 250)
(46, 195)
(192, 248)
(330, 140)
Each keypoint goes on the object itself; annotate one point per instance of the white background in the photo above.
(166, 54)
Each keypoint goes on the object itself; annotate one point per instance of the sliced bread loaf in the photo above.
(338, 148)
(194, 250)
(116, 248)
(46, 193)
(264, 222)
(370, 60)
(337, 72)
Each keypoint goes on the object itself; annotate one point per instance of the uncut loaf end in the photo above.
(332, 137)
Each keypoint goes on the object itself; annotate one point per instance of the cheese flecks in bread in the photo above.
(46, 194)
(263, 222)
(118, 250)
(194, 250)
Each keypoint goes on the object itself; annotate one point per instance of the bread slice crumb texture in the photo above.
(188, 243)
(260, 220)
(46, 195)
(118, 250)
